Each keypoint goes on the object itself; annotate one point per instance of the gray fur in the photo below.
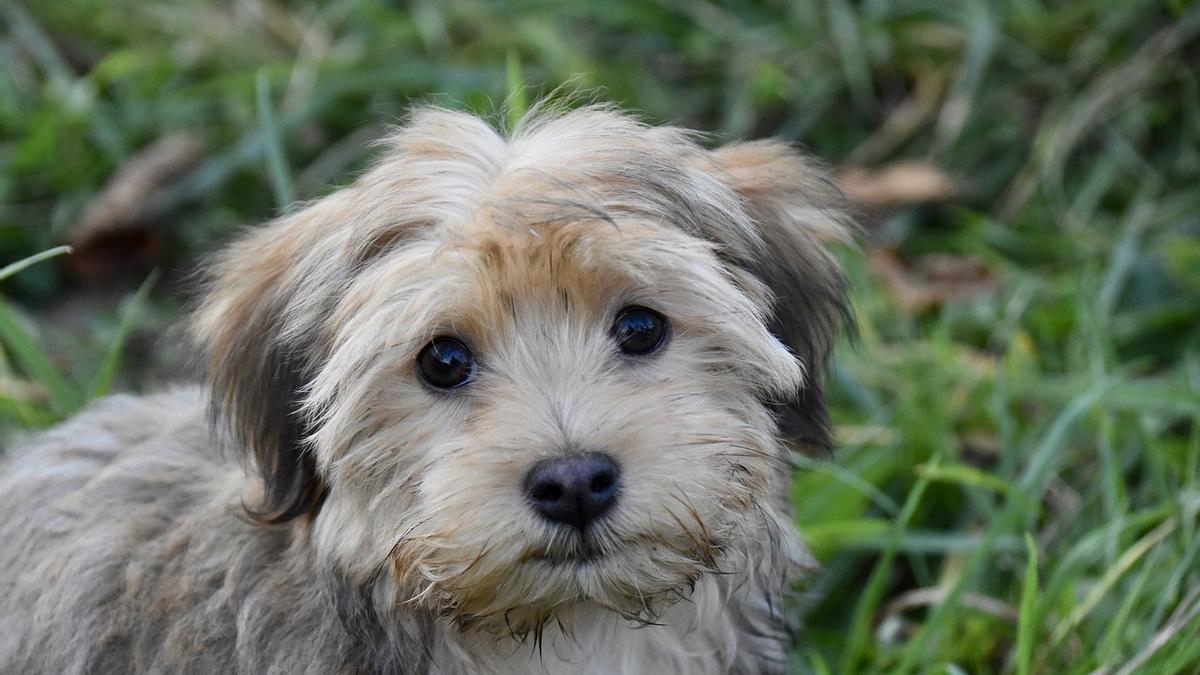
(126, 550)
(314, 521)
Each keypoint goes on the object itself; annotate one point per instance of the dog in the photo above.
(508, 403)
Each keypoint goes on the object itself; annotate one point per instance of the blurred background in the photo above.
(1018, 478)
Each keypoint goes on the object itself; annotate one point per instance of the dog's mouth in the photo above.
(586, 550)
(579, 551)
(582, 559)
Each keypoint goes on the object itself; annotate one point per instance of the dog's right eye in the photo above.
(446, 363)
(639, 330)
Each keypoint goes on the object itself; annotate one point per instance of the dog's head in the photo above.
(528, 372)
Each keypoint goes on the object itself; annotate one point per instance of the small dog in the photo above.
(505, 404)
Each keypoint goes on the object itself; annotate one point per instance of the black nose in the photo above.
(573, 490)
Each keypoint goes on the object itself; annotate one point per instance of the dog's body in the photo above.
(385, 518)
(185, 583)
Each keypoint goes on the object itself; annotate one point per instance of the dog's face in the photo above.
(521, 374)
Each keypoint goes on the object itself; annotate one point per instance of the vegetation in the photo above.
(1018, 481)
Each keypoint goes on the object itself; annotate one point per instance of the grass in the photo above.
(1019, 479)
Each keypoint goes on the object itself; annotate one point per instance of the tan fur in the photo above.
(389, 530)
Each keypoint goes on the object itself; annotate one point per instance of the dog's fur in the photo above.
(373, 524)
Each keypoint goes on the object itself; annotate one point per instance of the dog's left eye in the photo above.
(639, 330)
(446, 363)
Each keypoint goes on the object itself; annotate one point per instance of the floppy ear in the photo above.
(796, 210)
(260, 329)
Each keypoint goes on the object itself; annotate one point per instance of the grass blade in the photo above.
(516, 103)
(873, 592)
(277, 167)
(13, 268)
(1027, 627)
(962, 474)
(35, 362)
(16, 405)
(108, 366)
(1110, 578)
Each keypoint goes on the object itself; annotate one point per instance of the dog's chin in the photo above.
(636, 581)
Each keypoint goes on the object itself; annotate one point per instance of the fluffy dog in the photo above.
(505, 404)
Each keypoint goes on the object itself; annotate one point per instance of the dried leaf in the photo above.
(932, 280)
(935, 595)
(897, 185)
(114, 231)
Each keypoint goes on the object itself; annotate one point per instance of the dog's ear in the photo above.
(260, 330)
(796, 210)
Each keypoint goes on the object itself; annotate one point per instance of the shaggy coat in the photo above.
(332, 512)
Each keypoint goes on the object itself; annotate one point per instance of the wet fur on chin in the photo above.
(373, 524)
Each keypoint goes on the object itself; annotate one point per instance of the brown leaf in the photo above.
(936, 595)
(897, 185)
(931, 280)
(114, 231)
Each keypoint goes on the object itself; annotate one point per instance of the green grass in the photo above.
(1020, 479)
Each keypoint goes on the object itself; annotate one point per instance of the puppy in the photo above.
(505, 404)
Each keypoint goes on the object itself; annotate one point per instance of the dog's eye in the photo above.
(446, 363)
(639, 330)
